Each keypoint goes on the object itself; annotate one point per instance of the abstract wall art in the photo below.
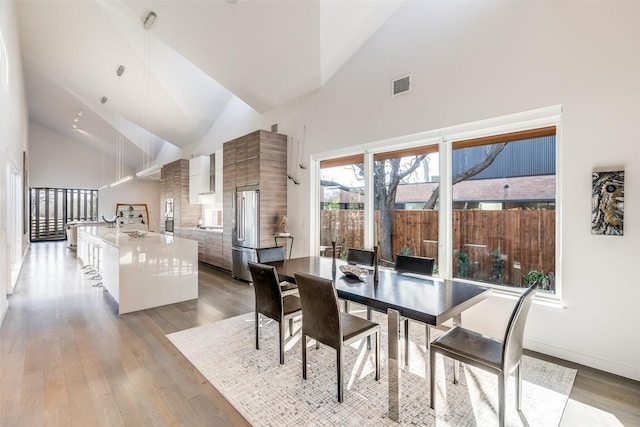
(607, 203)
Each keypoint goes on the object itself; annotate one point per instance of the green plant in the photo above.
(463, 265)
(497, 268)
(537, 276)
(405, 250)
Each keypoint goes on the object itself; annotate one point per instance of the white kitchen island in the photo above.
(141, 272)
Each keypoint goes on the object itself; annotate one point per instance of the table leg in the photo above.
(393, 319)
(457, 321)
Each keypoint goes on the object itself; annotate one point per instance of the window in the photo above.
(52, 208)
(405, 191)
(503, 203)
(341, 205)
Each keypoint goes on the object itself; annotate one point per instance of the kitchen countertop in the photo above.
(123, 239)
(217, 230)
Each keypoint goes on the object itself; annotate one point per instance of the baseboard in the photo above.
(612, 367)
(631, 372)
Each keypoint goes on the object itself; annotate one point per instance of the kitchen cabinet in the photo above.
(199, 178)
(209, 245)
(174, 187)
(257, 159)
(205, 179)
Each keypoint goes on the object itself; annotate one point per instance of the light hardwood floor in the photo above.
(67, 358)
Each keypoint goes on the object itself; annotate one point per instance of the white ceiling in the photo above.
(180, 74)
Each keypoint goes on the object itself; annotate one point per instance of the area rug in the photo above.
(269, 394)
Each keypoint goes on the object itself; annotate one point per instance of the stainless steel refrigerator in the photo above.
(245, 232)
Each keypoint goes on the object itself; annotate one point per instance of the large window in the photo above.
(341, 205)
(52, 208)
(405, 202)
(484, 208)
(503, 221)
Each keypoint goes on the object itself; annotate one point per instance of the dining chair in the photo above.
(414, 264)
(271, 303)
(274, 254)
(501, 358)
(323, 321)
(417, 265)
(360, 256)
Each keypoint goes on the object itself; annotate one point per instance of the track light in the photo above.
(149, 20)
(120, 70)
(103, 100)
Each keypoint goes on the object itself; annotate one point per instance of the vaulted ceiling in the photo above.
(180, 73)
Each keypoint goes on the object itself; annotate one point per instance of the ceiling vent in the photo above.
(401, 85)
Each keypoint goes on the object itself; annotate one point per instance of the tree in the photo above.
(472, 171)
(387, 175)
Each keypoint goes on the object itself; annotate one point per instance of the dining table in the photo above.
(425, 299)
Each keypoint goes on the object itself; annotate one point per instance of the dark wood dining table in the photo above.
(426, 299)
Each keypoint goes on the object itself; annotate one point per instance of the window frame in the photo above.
(476, 133)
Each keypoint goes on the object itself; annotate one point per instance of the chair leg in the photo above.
(378, 355)
(258, 321)
(340, 360)
(291, 327)
(406, 342)
(281, 331)
(369, 336)
(432, 379)
(304, 356)
(518, 387)
(502, 384)
(346, 306)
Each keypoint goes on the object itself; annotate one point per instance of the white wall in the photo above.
(13, 130)
(132, 192)
(237, 119)
(59, 162)
(477, 60)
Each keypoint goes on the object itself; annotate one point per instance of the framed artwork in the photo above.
(607, 203)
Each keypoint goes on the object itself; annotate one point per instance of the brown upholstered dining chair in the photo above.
(273, 254)
(417, 265)
(323, 321)
(271, 303)
(499, 357)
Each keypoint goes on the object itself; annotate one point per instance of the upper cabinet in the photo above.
(174, 186)
(205, 179)
(198, 178)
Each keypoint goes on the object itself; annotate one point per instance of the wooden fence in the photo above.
(525, 238)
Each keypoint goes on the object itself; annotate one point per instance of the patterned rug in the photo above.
(269, 394)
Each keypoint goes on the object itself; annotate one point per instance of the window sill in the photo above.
(542, 298)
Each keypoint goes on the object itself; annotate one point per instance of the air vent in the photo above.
(401, 85)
